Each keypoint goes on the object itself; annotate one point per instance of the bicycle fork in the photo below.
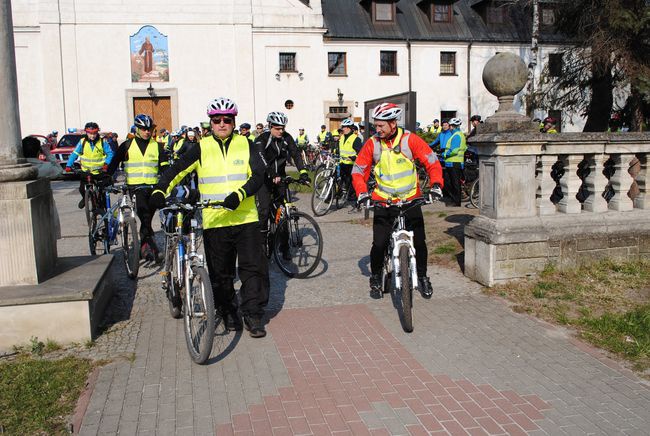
(404, 238)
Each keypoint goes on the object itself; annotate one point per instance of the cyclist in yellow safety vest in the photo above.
(163, 137)
(94, 156)
(393, 152)
(549, 125)
(324, 137)
(454, 157)
(302, 140)
(144, 159)
(435, 128)
(348, 147)
(230, 170)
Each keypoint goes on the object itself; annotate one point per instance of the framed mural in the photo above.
(149, 56)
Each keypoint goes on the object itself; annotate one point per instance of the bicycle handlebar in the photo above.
(289, 180)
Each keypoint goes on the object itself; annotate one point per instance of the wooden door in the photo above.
(158, 108)
(334, 125)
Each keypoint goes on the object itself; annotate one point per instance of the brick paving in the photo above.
(337, 362)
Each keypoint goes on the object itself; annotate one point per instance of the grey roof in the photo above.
(351, 19)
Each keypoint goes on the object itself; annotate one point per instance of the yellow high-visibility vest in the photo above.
(220, 175)
(395, 173)
(92, 159)
(142, 169)
(346, 150)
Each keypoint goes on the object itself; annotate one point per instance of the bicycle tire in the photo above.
(474, 194)
(131, 247)
(323, 193)
(386, 276)
(88, 205)
(305, 243)
(105, 240)
(200, 293)
(173, 288)
(406, 289)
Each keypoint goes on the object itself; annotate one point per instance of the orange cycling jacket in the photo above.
(420, 151)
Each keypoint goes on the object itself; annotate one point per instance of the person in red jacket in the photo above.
(393, 151)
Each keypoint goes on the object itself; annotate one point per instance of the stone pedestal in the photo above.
(27, 235)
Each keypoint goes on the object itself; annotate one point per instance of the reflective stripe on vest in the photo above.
(395, 173)
(459, 157)
(220, 175)
(142, 169)
(92, 158)
(178, 145)
(346, 150)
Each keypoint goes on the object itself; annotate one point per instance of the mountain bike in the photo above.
(185, 279)
(399, 272)
(115, 224)
(474, 194)
(294, 238)
(329, 188)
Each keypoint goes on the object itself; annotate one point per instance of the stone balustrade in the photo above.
(564, 198)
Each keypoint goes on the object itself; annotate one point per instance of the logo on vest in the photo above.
(238, 162)
(400, 160)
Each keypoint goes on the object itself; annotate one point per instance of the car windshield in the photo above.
(69, 141)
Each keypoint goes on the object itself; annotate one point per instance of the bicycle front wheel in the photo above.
(323, 193)
(173, 287)
(131, 247)
(298, 245)
(89, 206)
(94, 233)
(474, 194)
(199, 316)
(406, 288)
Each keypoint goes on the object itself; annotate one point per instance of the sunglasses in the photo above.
(225, 120)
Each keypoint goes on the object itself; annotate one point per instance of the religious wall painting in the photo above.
(149, 56)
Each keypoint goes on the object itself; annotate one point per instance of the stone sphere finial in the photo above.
(505, 74)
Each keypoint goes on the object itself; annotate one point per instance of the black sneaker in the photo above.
(146, 253)
(254, 326)
(425, 287)
(81, 204)
(375, 286)
(233, 322)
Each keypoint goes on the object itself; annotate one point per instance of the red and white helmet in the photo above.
(222, 106)
(386, 112)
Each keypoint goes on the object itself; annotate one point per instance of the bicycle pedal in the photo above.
(164, 273)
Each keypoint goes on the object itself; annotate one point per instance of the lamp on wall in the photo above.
(301, 76)
(151, 91)
(339, 94)
(277, 76)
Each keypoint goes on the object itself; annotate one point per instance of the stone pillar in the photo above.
(12, 165)
(545, 184)
(596, 184)
(570, 184)
(642, 200)
(621, 182)
(28, 254)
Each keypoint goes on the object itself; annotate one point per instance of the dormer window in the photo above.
(441, 13)
(383, 11)
(495, 14)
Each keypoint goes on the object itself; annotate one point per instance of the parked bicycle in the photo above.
(110, 225)
(329, 188)
(294, 238)
(185, 279)
(399, 272)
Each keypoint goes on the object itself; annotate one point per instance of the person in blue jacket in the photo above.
(441, 141)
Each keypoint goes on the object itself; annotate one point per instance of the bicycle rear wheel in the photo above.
(323, 193)
(407, 294)
(131, 247)
(474, 194)
(298, 245)
(199, 317)
(173, 288)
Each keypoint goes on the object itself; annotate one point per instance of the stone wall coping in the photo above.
(23, 189)
(556, 227)
(78, 279)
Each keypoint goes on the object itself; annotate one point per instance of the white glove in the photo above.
(363, 198)
(436, 192)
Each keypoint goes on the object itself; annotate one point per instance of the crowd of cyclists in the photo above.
(243, 169)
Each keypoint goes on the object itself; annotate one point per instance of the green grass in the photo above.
(607, 302)
(37, 396)
(447, 248)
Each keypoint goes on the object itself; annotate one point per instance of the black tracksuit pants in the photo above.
(145, 214)
(382, 228)
(222, 245)
(346, 180)
(452, 176)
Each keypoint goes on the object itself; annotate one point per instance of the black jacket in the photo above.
(276, 151)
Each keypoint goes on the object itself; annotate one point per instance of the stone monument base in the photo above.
(27, 234)
(497, 251)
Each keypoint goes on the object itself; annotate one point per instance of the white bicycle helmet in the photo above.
(386, 112)
(222, 106)
(455, 122)
(347, 123)
(277, 118)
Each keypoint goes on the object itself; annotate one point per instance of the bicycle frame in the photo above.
(123, 208)
(399, 238)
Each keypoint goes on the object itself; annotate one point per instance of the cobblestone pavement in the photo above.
(337, 362)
